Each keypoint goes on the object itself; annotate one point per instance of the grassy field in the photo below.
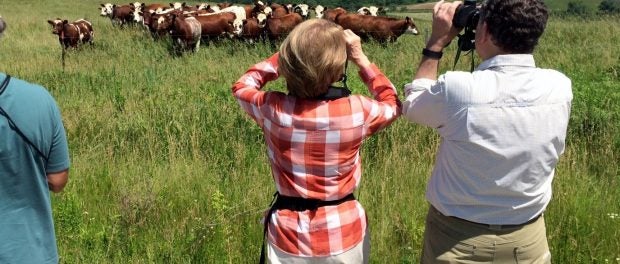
(168, 169)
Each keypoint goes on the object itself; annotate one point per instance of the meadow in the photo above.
(166, 168)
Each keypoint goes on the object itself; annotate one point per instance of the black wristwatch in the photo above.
(432, 54)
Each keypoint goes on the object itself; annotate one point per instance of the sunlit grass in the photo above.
(167, 168)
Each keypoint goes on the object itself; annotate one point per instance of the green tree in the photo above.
(577, 8)
(610, 6)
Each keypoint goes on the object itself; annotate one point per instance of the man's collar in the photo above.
(521, 60)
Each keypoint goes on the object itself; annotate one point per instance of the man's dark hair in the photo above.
(515, 25)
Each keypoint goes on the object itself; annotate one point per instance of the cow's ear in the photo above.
(65, 21)
(50, 22)
(184, 4)
(171, 4)
(407, 19)
(102, 5)
(245, 21)
(143, 5)
(114, 6)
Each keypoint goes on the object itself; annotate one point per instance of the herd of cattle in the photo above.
(188, 25)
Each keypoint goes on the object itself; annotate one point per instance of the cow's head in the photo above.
(261, 20)
(136, 5)
(177, 5)
(237, 26)
(268, 11)
(363, 11)
(160, 23)
(319, 10)
(137, 15)
(411, 28)
(203, 6)
(57, 25)
(302, 9)
(374, 11)
(106, 9)
(259, 6)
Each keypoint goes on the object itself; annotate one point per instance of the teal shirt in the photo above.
(26, 224)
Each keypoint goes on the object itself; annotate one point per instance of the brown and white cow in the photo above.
(279, 27)
(215, 26)
(178, 5)
(255, 9)
(74, 33)
(185, 32)
(252, 32)
(106, 10)
(122, 15)
(369, 10)
(380, 28)
(319, 11)
(303, 10)
(148, 10)
(331, 14)
(277, 10)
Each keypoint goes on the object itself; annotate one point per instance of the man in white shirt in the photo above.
(502, 131)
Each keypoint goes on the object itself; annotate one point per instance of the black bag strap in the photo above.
(281, 202)
(12, 124)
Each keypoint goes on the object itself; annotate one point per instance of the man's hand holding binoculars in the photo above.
(443, 31)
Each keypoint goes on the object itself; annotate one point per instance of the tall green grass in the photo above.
(168, 169)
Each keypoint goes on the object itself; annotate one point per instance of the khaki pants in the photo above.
(453, 240)
(358, 254)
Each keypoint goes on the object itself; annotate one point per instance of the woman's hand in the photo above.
(354, 49)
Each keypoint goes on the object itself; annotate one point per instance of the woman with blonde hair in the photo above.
(313, 136)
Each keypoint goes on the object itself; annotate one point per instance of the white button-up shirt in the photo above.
(502, 131)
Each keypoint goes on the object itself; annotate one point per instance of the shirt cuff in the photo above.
(369, 73)
(419, 85)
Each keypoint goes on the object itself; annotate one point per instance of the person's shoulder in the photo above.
(560, 82)
(29, 89)
(457, 85)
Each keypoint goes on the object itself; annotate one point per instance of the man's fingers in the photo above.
(437, 5)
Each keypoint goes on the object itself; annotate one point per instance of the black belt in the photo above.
(492, 227)
(298, 204)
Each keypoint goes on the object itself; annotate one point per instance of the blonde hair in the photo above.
(312, 57)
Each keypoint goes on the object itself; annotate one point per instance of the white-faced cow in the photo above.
(370, 10)
(177, 5)
(148, 10)
(137, 10)
(74, 33)
(106, 10)
(303, 10)
(319, 11)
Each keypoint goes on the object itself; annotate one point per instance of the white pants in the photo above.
(358, 254)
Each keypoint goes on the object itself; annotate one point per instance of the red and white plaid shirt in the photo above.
(313, 148)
